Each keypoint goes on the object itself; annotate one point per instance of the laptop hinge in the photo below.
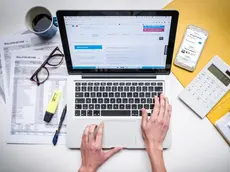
(117, 76)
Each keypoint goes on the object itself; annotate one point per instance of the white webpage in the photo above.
(118, 42)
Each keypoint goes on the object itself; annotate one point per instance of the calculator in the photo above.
(208, 87)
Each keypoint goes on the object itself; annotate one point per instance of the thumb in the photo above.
(112, 152)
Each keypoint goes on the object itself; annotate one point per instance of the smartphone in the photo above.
(191, 47)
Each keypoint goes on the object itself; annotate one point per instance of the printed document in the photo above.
(28, 102)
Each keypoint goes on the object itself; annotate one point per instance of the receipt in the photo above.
(28, 102)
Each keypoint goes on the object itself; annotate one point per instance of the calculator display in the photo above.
(219, 75)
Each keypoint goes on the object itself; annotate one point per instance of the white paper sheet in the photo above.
(2, 79)
(20, 42)
(222, 125)
(28, 102)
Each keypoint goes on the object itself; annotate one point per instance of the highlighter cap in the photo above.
(48, 116)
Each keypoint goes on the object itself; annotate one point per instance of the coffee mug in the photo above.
(39, 20)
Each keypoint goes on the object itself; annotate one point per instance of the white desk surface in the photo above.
(197, 146)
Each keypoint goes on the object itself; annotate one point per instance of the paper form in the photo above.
(28, 102)
(20, 42)
(2, 80)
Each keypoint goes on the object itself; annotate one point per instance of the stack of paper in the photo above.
(21, 56)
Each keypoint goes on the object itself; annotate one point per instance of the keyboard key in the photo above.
(100, 100)
(103, 106)
(85, 106)
(90, 83)
(159, 83)
(128, 83)
(144, 89)
(146, 106)
(115, 113)
(90, 88)
(115, 106)
(114, 88)
(147, 83)
(98, 94)
(147, 95)
(97, 106)
(83, 113)
(88, 100)
(96, 83)
(143, 100)
(151, 106)
(149, 100)
(102, 88)
(138, 89)
(112, 100)
(77, 89)
(93, 95)
(115, 83)
(135, 94)
(109, 83)
(140, 106)
(140, 83)
(125, 100)
(126, 88)
(86, 94)
(78, 94)
(94, 100)
(108, 89)
(159, 88)
(123, 94)
(142, 94)
(134, 106)
(106, 100)
(96, 113)
(132, 88)
(137, 100)
(77, 83)
(103, 84)
(77, 112)
(96, 88)
(91, 106)
(122, 106)
(134, 84)
(111, 94)
(120, 88)
(79, 100)
(131, 100)
(154, 94)
(153, 83)
(151, 89)
(129, 94)
(127, 106)
(118, 100)
(140, 113)
(105, 94)
(117, 94)
(83, 88)
(109, 106)
(89, 112)
(121, 83)
(84, 83)
(134, 113)
(77, 106)
(158, 94)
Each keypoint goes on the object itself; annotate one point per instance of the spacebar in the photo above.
(115, 113)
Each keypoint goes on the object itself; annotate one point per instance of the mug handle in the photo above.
(55, 22)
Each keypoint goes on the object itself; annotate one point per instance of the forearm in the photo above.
(156, 159)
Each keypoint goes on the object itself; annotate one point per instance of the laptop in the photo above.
(117, 62)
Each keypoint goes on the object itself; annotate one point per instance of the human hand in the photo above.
(155, 128)
(91, 149)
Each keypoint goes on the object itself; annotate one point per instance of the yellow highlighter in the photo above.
(52, 106)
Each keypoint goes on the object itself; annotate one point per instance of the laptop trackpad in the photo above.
(119, 133)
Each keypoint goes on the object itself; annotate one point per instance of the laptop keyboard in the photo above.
(95, 98)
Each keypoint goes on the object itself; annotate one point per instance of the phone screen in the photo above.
(191, 46)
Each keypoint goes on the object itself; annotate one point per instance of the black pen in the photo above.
(55, 138)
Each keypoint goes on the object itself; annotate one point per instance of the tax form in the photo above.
(28, 102)
(20, 42)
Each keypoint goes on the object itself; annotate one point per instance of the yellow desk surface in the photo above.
(213, 16)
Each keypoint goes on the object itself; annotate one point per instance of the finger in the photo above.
(162, 107)
(166, 108)
(156, 108)
(169, 114)
(112, 152)
(144, 117)
(85, 135)
(91, 133)
(99, 136)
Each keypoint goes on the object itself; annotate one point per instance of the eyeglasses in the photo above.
(42, 73)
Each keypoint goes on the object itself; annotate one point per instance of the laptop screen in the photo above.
(118, 42)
